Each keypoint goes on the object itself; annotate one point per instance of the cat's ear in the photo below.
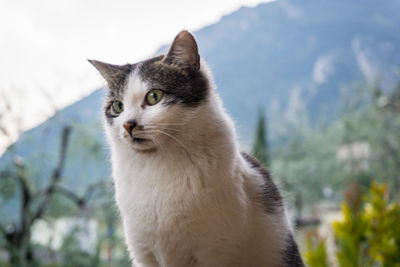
(184, 52)
(114, 74)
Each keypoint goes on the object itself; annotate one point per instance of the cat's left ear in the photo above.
(114, 74)
(184, 52)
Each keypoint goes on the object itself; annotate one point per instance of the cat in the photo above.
(186, 194)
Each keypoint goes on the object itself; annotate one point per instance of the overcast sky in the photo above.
(44, 45)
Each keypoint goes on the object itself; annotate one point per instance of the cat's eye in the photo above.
(117, 107)
(154, 96)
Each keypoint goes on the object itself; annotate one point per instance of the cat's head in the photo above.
(150, 102)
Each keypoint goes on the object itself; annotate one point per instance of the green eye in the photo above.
(154, 96)
(117, 107)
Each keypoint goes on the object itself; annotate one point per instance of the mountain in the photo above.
(294, 58)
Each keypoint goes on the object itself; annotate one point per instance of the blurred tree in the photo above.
(35, 203)
(377, 125)
(260, 146)
(11, 115)
(311, 160)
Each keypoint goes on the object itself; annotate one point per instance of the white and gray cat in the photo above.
(186, 194)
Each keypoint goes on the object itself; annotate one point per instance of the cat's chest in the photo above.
(152, 188)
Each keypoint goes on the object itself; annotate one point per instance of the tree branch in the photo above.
(48, 192)
(61, 161)
(70, 195)
(20, 177)
(91, 188)
(79, 201)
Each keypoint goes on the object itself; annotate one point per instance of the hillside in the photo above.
(297, 56)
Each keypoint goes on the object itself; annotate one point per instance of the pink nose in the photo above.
(130, 125)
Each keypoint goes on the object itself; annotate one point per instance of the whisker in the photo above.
(179, 142)
(164, 128)
(168, 124)
(160, 147)
(143, 134)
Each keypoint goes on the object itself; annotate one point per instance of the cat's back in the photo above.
(272, 242)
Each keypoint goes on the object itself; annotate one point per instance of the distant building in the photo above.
(354, 156)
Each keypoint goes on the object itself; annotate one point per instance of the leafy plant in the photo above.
(368, 234)
(316, 252)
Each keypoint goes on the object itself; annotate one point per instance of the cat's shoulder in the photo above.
(270, 195)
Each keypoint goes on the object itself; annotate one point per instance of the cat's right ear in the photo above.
(184, 52)
(113, 74)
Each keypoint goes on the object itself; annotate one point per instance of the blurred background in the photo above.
(313, 86)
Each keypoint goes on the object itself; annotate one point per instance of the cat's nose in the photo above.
(130, 125)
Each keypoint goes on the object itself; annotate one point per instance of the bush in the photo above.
(316, 252)
(368, 234)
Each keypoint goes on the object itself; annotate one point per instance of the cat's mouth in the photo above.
(142, 145)
(139, 140)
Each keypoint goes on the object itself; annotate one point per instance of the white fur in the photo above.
(193, 201)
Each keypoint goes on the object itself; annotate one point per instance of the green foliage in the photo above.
(368, 234)
(307, 161)
(350, 233)
(316, 252)
(260, 146)
(307, 164)
(72, 253)
(383, 227)
(4, 264)
(378, 125)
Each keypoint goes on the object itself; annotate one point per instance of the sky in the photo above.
(44, 45)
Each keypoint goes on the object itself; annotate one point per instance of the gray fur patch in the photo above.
(270, 196)
(117, 84)
(291, 255)
(185, 86)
